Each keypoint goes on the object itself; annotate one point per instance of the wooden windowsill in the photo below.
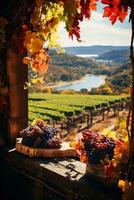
(66, 175)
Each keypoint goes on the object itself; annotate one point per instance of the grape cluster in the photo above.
(40, 136)
(98, 147)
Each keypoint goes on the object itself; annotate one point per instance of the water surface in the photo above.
(88, 82)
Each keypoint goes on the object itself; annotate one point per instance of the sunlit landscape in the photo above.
(67, 100)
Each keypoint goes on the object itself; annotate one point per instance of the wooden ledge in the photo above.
(65, 175)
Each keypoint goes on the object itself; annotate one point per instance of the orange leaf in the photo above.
(93, 6)
(43, 68)
(83, 158)
(26, 60)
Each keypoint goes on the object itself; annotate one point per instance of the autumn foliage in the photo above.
(115, 10)
(46, 17)
(39, 28)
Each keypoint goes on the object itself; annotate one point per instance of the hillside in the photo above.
(97, 49)
(118, 81)
(66, 60)
(121, 77)
(64, 67)
(116, 55)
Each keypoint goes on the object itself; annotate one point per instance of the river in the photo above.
(88, 82)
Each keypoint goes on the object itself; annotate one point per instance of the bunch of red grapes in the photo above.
(40, 136)
(97, 147)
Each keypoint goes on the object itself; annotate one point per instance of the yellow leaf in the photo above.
(73, 144)
(126, 139)
(37, 80)
(106, 131)
(37, 120)
(112, 134)
(124, 185)
(27, 85)
(53, 42)
(121, 184)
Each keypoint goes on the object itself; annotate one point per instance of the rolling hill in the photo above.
(120, 55)
(97, 49)
(65, 67)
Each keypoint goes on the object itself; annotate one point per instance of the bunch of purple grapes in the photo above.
(40, 136)
(98, 147)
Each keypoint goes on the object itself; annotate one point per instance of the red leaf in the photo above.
(116, 2)
(107, 11)
(71, 35)
(123, 14)
(106, 1)
(113, 18)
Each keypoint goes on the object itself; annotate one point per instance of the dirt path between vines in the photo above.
(111, 122)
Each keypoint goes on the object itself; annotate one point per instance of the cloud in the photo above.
(98, 31)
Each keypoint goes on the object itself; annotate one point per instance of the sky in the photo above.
(98, 31)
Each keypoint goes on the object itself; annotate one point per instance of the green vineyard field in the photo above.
(57, 107)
